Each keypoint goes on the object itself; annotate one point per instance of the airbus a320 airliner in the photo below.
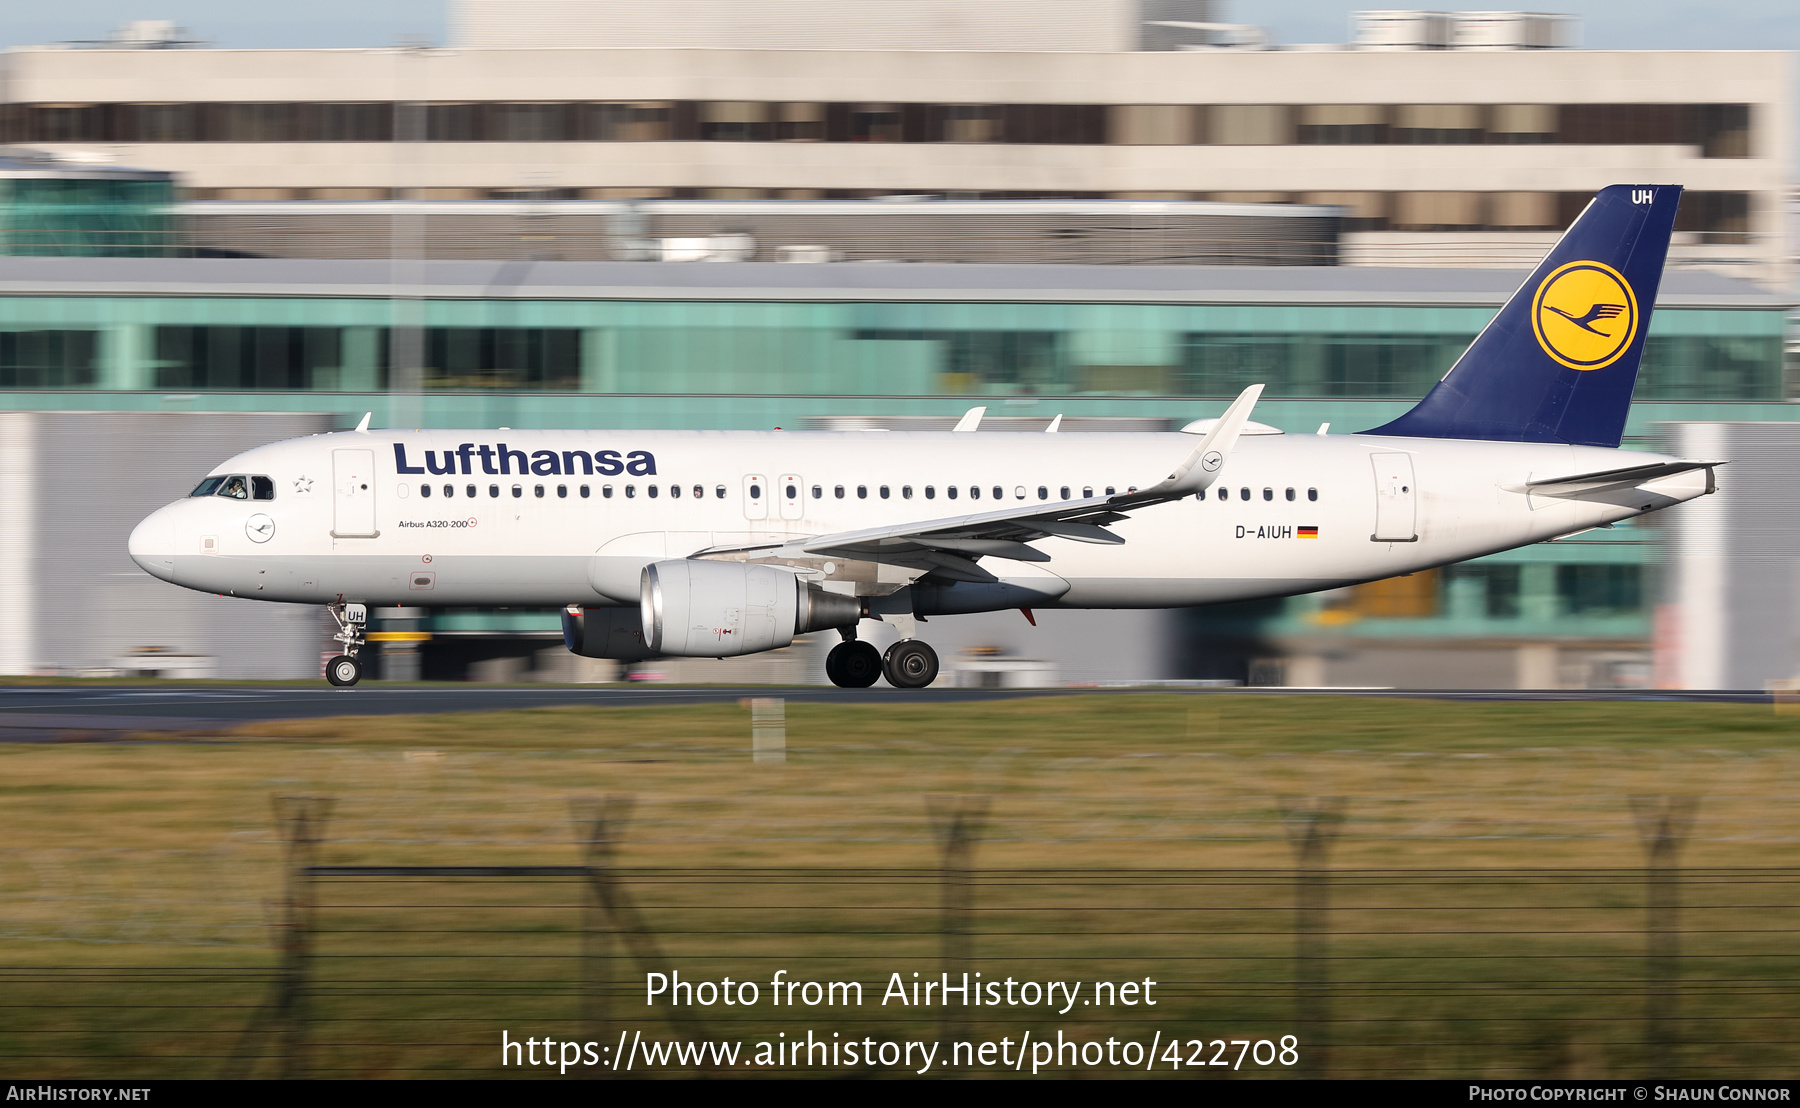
(720, 543)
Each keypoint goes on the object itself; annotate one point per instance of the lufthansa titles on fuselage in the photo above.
(499, 460)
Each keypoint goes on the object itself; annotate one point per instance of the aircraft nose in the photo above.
(152, 545)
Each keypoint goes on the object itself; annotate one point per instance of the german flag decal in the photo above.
(1308, 533)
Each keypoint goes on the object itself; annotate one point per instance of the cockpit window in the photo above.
(238, 486)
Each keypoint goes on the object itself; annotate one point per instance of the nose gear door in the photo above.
(353, 494)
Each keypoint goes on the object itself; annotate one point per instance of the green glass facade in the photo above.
(712, 347)
(109, 216)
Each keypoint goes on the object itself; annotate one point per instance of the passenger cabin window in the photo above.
(584, 492)
(906, 492)
(999, 493)
(425, 490)
(950, 492)
(518, 492)
(1065, 492)
(1224, 493)
(818, 493)
(931, 492)
(562, 491)
(1109, 490)
(1312, 494)
(884, 492)
(1268, 494)
(974, 492)
(653, 492)
(1290, 494)
(537, 491)
(1243, 494)
(449, 491)
(469, 492)
(630, 491)
(264, 486)
(1043, 493)
(606, 491)
(719, 492)
(862, 492)
(700, 492)
(675, 491)
(1087, 491)
(493, 490)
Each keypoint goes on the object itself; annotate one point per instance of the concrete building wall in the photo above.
(1730, 617)
(809, 24)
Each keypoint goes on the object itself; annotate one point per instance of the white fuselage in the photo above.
(345, 524)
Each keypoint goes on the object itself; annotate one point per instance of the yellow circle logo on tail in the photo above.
(1585, 315)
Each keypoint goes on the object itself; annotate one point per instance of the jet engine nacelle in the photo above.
(706, 609)
(616, 633)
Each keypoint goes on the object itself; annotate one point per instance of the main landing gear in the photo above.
(908, 664)
(346, 669)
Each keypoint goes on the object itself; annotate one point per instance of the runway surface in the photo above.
(65, 713)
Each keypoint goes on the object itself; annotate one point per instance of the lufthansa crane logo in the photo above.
(1585, 315)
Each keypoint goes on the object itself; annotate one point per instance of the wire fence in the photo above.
(1309, 967)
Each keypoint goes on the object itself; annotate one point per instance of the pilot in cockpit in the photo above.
(236, 488)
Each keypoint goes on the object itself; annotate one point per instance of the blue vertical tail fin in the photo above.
(1559, 362)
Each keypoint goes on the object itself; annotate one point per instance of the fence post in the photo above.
(957, 823)
(601, 824)
(1311, 828)
(1663, 823)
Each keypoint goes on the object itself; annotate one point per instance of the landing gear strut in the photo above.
(346, 669)
(909, 664)
(853, 665)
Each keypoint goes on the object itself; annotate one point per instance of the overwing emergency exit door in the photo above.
(353, 494)
(1396, 505)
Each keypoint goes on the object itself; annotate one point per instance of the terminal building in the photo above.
(1438, 156)
(578, 214)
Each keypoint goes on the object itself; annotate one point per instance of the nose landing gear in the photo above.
(346, 669)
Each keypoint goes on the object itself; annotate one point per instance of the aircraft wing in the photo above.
(1577, 486)
(949, 546)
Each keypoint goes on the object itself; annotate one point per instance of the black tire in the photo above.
(910, 664)
(343, 671)
(853, 665)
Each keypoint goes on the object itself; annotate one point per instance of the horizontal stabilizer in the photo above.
(1581, 486)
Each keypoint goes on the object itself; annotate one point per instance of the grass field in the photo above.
(1485, 913)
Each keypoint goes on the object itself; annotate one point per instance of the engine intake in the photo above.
(705, 609)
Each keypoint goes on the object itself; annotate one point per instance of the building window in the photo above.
(1599, 590)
